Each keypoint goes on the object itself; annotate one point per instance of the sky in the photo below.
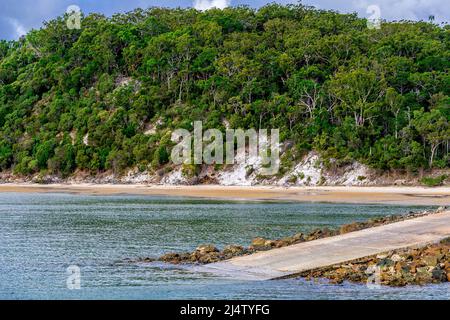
(19, 16)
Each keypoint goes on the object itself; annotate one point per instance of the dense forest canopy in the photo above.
(107, 96)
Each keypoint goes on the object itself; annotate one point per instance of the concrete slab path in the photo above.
(329, 251)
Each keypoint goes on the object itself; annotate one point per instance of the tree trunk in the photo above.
(433, 151)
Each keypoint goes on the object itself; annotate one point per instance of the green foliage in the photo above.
(190, 170)
(433, 182)
(43, 153)
(161, 156)
(293, 179)
(5, 155)
(107, 96)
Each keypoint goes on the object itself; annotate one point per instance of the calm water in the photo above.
(41, 235)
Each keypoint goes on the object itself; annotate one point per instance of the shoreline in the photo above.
(399, 195)
(416, 263)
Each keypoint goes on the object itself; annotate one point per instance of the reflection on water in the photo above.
(43, 234)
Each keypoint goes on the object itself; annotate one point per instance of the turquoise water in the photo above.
(41, 235)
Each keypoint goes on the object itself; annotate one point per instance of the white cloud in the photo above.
(209, 4)
(408, 9)
(19, 29)
(390, 9)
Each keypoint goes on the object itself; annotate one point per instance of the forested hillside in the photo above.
(107, 96)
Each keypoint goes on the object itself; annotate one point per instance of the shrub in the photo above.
(293, 179)
(433, 181)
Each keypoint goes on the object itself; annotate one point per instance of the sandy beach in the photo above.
(336, 194)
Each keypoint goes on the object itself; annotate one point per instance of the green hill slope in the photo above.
(107, 96)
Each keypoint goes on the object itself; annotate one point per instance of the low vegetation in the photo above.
(434, 181)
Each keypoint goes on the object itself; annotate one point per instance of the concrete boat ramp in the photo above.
(305, 256)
